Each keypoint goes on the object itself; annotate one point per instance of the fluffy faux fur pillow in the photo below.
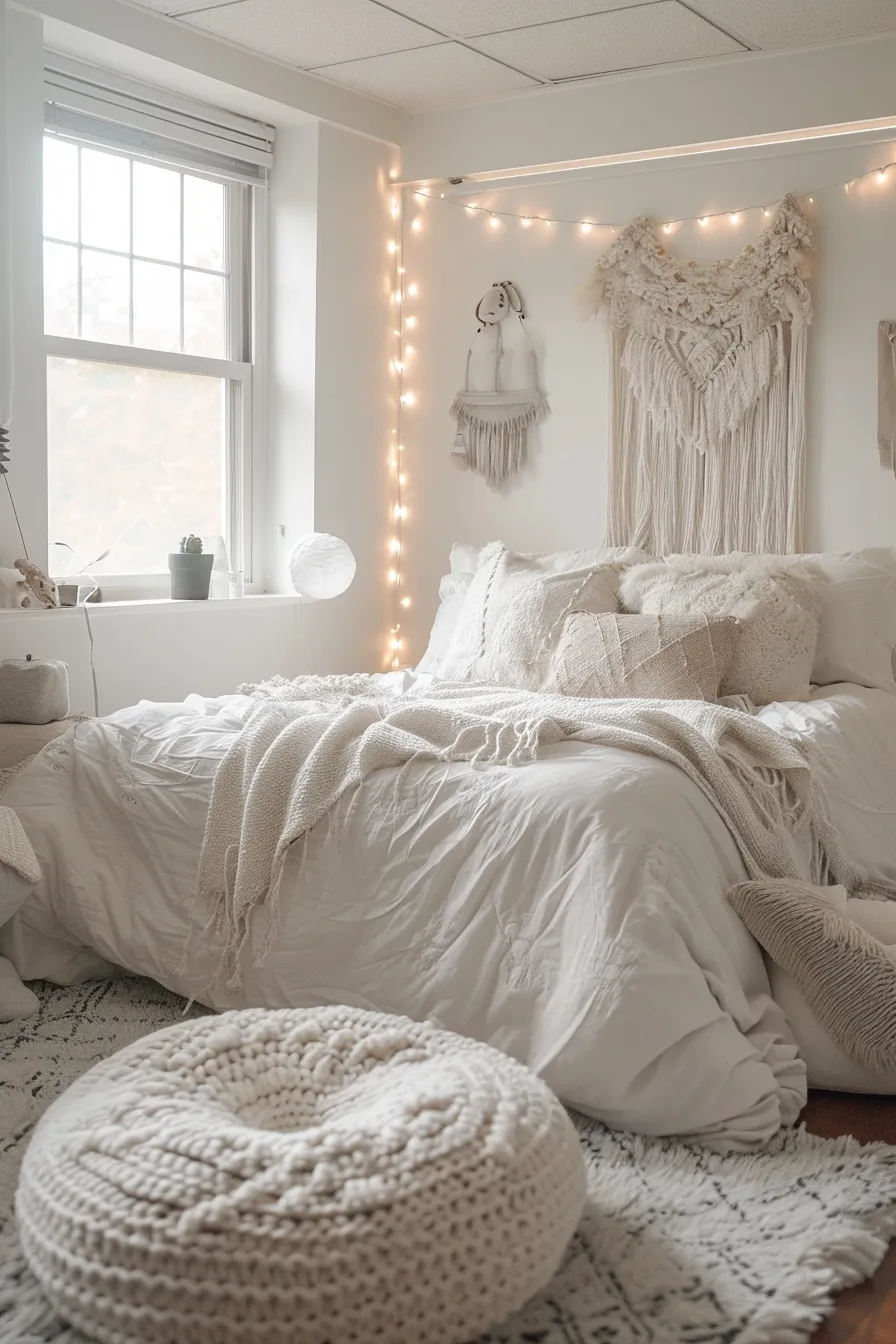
(513, 615)
(778, 610)
(613, 656)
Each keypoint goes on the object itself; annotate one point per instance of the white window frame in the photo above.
(246, 242)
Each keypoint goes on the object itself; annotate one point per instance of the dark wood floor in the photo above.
(867, 1314)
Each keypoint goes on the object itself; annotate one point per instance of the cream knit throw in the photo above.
(310, 1176)
(295, 758)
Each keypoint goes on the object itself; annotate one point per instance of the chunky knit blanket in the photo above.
(308, 742)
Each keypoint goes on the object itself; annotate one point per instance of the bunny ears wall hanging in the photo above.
(500, 397)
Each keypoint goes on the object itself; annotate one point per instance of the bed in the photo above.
(571, 913)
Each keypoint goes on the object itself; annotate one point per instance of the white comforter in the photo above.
(571, 912)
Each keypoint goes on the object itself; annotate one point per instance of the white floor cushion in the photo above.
(295, 1177)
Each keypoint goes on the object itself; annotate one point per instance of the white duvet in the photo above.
(570, 912)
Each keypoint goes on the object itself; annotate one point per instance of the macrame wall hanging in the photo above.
(708, 386)
(886, 394)
(500, 397)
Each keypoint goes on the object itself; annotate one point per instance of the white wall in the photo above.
(22, 82)
(560, 499)
(332, 406)
(161, 651)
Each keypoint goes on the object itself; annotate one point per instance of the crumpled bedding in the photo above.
(570, 912)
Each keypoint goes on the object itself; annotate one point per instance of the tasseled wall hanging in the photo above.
(886, 394)
(500, 399)
(707, 441)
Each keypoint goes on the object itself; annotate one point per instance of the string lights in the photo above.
(586, 226)
(403, 294)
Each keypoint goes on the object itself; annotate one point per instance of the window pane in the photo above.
(105, 200)
(136, 460)
(105, 285)
(203, 314)
(156, 212)
(60, 189)
(203, 223)
(60, 290)
(156, 306)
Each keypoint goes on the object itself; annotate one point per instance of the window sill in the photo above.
(252, 601)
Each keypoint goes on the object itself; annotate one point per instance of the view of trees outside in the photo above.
(134, 254)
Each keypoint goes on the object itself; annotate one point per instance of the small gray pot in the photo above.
(190, 576)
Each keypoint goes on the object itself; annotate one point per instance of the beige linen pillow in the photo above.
(646, 657)
(513, 615)
(778, 610)
(847, 976)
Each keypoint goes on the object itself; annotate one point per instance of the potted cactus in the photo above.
(191, 571)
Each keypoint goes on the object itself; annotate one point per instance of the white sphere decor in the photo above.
(321, 566)
(299, 1176)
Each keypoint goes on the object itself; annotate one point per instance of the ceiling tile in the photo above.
(621, 40)
(173, 7)
(313, 32)
(794, 23)
(466, 18)
(443, 74)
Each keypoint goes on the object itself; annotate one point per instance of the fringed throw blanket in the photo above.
(298, 754)
(707, 439)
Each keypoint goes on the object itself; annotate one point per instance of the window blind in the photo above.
(116, 112)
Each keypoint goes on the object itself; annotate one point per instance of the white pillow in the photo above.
(513, 614)
(452, 591)
(857, 622)
(857, 629)
(778, 610)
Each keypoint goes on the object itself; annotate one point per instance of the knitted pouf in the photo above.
(320, 1176)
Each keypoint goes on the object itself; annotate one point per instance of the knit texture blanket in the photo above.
(310, 741)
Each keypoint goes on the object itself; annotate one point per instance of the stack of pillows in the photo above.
(618, 624)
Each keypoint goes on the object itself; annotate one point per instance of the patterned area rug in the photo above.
(677, 1246)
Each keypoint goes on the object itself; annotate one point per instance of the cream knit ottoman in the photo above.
(320, 1176)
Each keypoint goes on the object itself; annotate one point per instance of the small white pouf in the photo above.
(320, 1176)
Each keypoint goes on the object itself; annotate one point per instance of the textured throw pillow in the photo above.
(644, 657)
(778, 610)
(857, 624)
(513, 615)
(847, 976)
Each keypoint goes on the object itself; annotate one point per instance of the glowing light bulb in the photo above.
(393, 575)
(881, 175)
(811, 200)
(586, 226)
(494, 222)
(470, 209)
(667, 228)
(408, 399)
(395, 207)
(393, 173)
(411, 322)
(400, 511)
(767, 212)
(413, 291)
(401, 447)
(417, 224)
(526, 222)
(703, 222)
(846, 187)
(397, 365)
(396, 297)
(405, 601)
(734, 218)
(402, 480)
(396, 643)
(395, 664)
(392, 246)
(548, 223)
(395, 546)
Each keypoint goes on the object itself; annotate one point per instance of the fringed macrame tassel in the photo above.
(460, 458)
(492, 427)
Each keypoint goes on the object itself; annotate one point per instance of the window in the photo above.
(148, 315)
